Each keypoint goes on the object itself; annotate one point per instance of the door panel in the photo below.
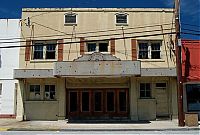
(162, 102)
(98, 102)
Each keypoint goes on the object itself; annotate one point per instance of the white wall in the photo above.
(9, 28)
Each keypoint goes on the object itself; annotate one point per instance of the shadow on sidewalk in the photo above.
(106, 122)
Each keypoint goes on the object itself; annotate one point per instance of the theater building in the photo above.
(96, 63)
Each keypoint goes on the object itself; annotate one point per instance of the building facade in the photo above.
(9, 60)
(191, 75)
(90, 63)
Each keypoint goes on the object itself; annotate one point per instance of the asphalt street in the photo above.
(177, 132)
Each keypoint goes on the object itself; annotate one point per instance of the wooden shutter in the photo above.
(27, 50)
(134, 49)
(60, 50)
(112, 46)
(82, 46)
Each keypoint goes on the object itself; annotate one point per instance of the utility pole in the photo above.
(179, 65)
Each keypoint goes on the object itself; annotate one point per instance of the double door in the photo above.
(98, 102)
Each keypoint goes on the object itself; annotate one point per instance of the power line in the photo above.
(116, 34)
(106, 39)
(90, 32)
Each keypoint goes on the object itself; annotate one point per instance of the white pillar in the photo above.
(133, 99)
(61, 98)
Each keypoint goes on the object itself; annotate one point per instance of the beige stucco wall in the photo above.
(41, 110)
(47, 22)
(146, 109)
(140, 109)
(95, 20)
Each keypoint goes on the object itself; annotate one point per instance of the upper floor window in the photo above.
(97, 47)
(121, 18)
(70, 18)
(149, 50)
(44, 49)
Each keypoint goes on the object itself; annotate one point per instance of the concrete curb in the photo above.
(95, 129)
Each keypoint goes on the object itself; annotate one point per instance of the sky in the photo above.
(190, 9)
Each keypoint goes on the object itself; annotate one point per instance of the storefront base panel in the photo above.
(41, 110)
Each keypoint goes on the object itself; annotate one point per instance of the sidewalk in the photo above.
(13, 125)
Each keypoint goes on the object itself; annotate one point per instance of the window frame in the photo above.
(34, 98)
(121, 24)
(149, 55)
(70, 13)
(97, 47)
(46, 99)
(145, 91)
(44, 49)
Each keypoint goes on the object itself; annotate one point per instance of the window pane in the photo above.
(122, 101)
(85, 101)
(145, 90)
(155, 50)
(70, 18)
(148, 87)
(142, 86)
(103, 47)
(110, 101)
(34, 92)
(38, 51)
(50, 51)
(148, 94)
(91, 47)
(143, 50)
(73, 101)
(155, 55)
(142, 94)
(97, 101)
(49, 91)
(121, 18)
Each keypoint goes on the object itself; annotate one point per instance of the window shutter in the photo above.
(112, 46)
(27, 50)
(82, 44)
(60, 50)
(134, 49)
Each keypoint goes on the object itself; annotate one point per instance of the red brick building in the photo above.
(191, 75)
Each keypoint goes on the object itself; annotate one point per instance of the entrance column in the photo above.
(133, 98)
(61, 98)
